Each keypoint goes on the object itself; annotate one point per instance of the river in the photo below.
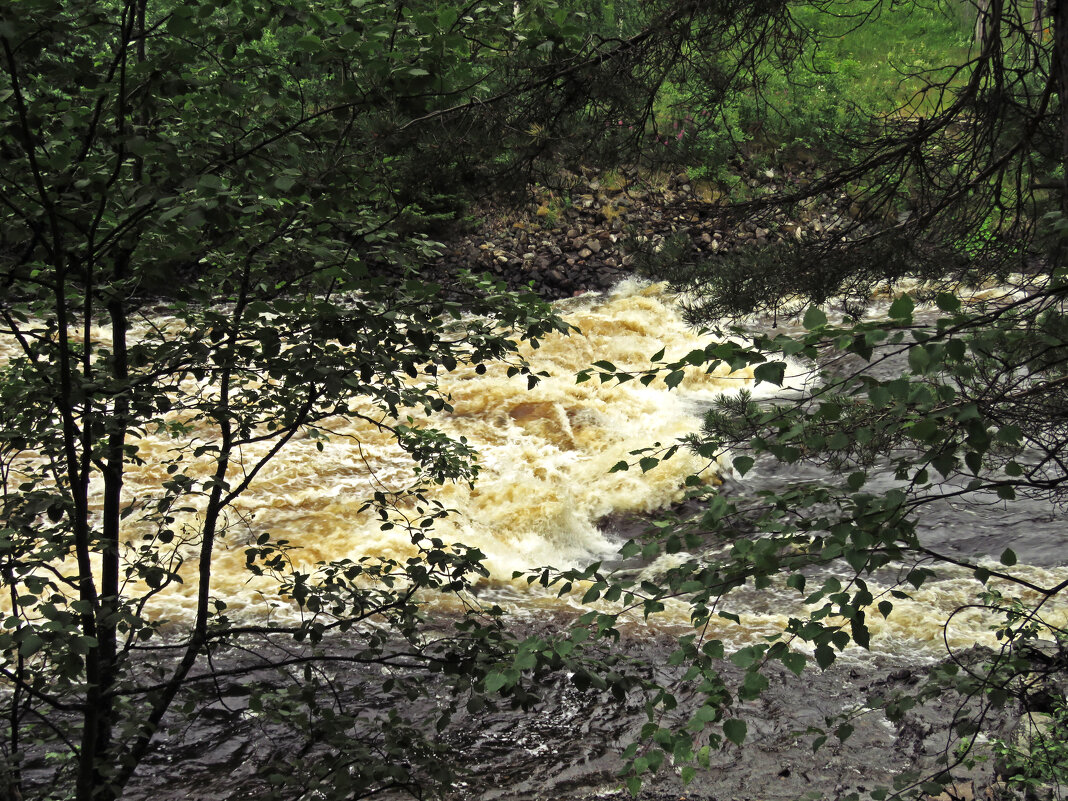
(546, 496)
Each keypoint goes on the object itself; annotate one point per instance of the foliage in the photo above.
(966, 403)
(274, 173)
(940, 398)
(269, 173)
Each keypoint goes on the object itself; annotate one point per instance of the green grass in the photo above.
(890, 53)
(870, 60)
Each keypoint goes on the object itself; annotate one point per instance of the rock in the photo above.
(593, 245)
(585, 253)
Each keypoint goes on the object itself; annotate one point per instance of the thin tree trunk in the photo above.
(1059, 23)
(981, 7)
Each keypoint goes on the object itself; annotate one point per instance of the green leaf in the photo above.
(743, 464)
(901, 309)
(795, 662)
(947, 302)
(838, 441)
(31, 644)
(771, 372)
(919, 359)
(735, 730)
(647, 463)
(825, 656)
(495, 681)
(1008, 557)
(856, 480)
(620, 467)
(859, 630)
(814, 318)
(674, 379)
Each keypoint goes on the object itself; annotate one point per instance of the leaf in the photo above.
(825, 656)
(735, 730)
(743, 464)
(674, 379)
(859, 630)
(901, 309)
(31, 644)
(947, 302)
(795, 662)
(919, 359)
(620, 467)
(772, 372)
(495, 681)
(745, 657)
(838, 441)
(814, 318)
(648, 463)
(1008, 557)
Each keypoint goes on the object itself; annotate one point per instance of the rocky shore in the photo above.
(584, 236)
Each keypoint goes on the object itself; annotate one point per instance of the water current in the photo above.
(545, 490)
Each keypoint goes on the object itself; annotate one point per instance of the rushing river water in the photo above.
(544, 488)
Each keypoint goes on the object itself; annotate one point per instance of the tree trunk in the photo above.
(1059, 22)
(981, 8)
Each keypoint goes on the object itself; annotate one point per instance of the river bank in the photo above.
(583, 234)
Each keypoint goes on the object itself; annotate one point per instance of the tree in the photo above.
(271, 173)
(262, 168)
(253, 167)
(951, 400)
